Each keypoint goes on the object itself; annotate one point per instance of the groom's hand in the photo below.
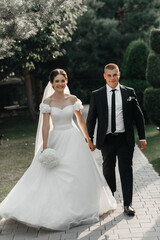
(91, 146)
(143, 144)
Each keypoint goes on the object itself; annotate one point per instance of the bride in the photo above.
(75, 191)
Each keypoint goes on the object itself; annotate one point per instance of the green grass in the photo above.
(152, 152)
(16, 151)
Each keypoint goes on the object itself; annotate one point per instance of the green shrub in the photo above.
(155, 40)
(125, 60)
(153, 70)
(135, 60)
(151, 104)
(139, 87)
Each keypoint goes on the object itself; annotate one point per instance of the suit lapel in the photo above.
(104, 102)
(124, 100)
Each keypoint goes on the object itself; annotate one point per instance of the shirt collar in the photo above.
(109, 89)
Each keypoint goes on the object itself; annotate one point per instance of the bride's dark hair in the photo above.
(56, 72)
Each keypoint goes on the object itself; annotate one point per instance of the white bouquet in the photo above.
(49, 158)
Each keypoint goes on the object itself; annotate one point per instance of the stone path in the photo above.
(145, 225)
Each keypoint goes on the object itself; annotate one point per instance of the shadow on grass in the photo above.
(17, 127)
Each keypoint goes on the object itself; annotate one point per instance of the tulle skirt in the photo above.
(73, 193)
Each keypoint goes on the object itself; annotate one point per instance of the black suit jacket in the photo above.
(132, 113)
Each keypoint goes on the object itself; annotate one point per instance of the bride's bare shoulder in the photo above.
(73, 98)
(48, 100)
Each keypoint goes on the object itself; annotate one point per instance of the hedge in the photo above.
(139, 87)
(152, 104)
(155, 40)
(135, 60)
(153, 70)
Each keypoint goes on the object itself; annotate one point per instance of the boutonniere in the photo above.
(130, 98)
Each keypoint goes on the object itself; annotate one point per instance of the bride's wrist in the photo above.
(88, 139)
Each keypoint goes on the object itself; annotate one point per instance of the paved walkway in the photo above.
(145, 225)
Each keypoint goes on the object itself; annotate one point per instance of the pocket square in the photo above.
(130, 98)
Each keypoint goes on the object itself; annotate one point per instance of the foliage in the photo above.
(155, 40)
(22, 20)
(135, 18)
(152, 152)
(134, 67)
(151, 103)
(16, 151)
(135, 60)
(33, 31)
(141, 16)
(152, 95)
(139, 87)
(103, 35)
(92, 41)
(153, 69)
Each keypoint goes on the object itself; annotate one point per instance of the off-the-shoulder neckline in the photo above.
(60, 108)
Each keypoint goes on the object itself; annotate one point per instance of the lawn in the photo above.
(17, 150)
(152, 152)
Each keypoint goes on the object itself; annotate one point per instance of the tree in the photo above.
(133, 69)
(22, 20)
(93, 43)
(102, 36)
(135, 61)
(152, 94)
(33, 31)
(135, 17)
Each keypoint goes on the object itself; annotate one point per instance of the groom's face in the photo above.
(112, 77)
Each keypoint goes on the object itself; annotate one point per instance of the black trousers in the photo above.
(117, 147)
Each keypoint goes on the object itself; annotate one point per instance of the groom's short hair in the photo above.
(111, 66)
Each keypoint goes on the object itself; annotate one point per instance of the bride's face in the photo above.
(59, 83)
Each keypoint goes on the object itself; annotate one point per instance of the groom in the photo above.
(115, 107)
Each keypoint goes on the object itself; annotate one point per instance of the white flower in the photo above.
(130, 98)
(49, 158)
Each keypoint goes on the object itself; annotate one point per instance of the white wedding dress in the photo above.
(73, 193)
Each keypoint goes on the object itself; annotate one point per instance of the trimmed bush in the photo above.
(139, 87)
(152, 104)
(152, 95)
(135, 60)
(153, 70)
(125, 60)
(155, 40)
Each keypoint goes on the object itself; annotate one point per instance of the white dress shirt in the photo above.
(119, 111)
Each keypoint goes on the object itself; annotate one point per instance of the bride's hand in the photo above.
(91, 145)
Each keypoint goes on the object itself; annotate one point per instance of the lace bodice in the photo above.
(61, 118)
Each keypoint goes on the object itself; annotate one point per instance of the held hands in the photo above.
(143, 144)
(91, 145)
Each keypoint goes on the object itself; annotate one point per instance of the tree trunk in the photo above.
(28, 85)
(37, 90)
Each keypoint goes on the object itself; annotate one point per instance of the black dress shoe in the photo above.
(129, 211)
